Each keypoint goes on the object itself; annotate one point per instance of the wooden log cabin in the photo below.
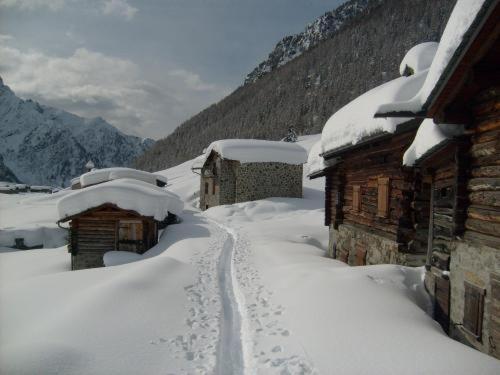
(120, 215)
(463, 263)
(369, 194)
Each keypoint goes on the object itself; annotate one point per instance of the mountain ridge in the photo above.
(44, 145)
(306, 91)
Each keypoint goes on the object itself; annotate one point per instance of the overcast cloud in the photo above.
(144, 66)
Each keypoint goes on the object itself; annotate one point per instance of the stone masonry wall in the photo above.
(264, 180)
(472, 263)
(379, 249)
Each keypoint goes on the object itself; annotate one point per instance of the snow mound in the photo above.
(107, 174)
(418, 58)
(429, 136)
(354, 122)
(258, 151)
(47, 235)
(462, 17)
(128, 194)
(315, 162)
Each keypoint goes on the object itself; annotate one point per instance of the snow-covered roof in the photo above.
(418, 58)
(455, 36)
(354, 122)
(315, 162)
(198, 162)
(128, 194)
(90, 164)
(257, 151)
(429, 137)
(107, 174)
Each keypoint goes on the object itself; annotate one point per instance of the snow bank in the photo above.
(258, 151)
(428, 137)
(107, 174)
(462, 17)
(418, 58)
(128, 194)
(47, 235)
(354, 122)
(315, 162)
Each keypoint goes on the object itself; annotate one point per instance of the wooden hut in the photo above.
(463, 265)
(240, 170)
(120, 215)
(369, 194)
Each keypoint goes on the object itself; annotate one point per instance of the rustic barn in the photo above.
(119, 215)
(235, 170)
(369, 194)
(463, 176)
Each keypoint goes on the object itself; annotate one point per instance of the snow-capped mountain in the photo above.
(44, 145)
(322, 28)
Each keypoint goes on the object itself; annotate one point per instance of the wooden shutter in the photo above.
(206, 187)
(356, 198)
(383, 197)
(473, 309)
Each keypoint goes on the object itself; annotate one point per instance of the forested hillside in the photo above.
(303, 93)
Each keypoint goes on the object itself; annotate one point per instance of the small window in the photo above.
(383, 197)
(356, 198)
(206, 207)
(213, 188)
(473, 309)
(206, 187)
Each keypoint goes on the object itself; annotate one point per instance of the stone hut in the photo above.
(368, 192)
(462, 173)
(240, 170)
(118, 215)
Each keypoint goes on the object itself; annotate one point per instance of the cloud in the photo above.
(119, 7)
(92, 84)
(5, 38)
(33, 4)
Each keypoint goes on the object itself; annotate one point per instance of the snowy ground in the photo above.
(240, 289)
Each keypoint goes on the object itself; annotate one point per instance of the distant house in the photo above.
(97, 176)
(368, 193)
(123, 215)
(462, 173)
(239, 170)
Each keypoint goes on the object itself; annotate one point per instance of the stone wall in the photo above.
(220, 173)
(84, 260)
(474, 263)
(379, 248)
(263, 180)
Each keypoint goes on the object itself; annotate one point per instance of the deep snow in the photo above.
(299, 311)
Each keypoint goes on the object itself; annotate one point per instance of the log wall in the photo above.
(353, 197)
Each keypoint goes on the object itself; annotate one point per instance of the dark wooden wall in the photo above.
(366, 167)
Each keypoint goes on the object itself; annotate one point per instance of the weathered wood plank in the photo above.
(485, 227)
(484, 183)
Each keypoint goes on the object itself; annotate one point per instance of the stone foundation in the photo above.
(379, 248)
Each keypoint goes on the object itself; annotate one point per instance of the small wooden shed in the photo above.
(108, 227)
(118, 215)
(463, 264)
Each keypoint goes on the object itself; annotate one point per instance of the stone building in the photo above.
(235, 170)
(118, 215)
(369, 193)
(462, 174)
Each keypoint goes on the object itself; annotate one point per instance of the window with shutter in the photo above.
(206, 187)
(356, 198)
(473, 309)
(383, 197)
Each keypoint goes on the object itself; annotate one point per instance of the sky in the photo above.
(143, 65)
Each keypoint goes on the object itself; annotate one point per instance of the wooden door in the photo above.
(131, 235)
(360, 255)
(442, 302)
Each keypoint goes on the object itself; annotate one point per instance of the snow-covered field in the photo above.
(239, 289)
